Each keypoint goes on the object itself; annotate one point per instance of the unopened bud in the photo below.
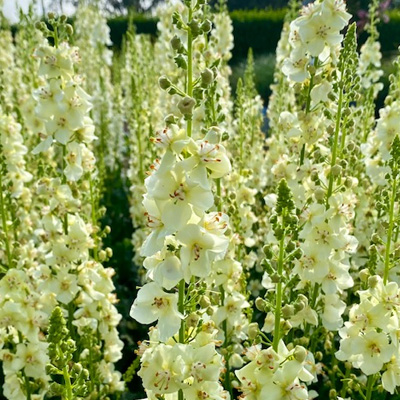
(207, 77)
(287, 311)
(332, 394)
(318, 356)
(319, 194)
(253, 330)
(206, 26)
(336, 170)
(50, 15)
(69, 30)
(170, 119)
(300, 353)
(63, 18)
(275, 278)
(364, 275)
(194, 27)
(286, 326)
(176, 43)
(236, 361)
(164, 83)
(192, 320)
(267, 251)
(186, 105)
(373, 281)
(102, 255)
(260, 304)
(299, 306)
(205, 302)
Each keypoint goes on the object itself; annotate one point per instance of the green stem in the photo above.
(308, 106)
(218, 182)
(390, 232)
(335, 141)
(4, 222)
(67, 378)
(64, 181)
(26, 379)
(94, 220)
(55, 36)
(344, 387)
(370, 387)
(181, 309)
(228, 385)
(278, 304)
(190, 69)
(241, 138)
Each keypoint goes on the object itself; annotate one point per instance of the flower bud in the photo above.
(207, 77)
(287, 311)
(170, 119)
(69, 30)
(336, 170)
(180, 61)
(206, 26)
(275, 278)
(176, 43)
(319, 356)
(267, 251)
(204, 302)
(51, 15)
(332, 394)
(102, 255)
(260, 304)
(364, 275)
(375, 239)
(225, 136)
(328, 345)
(186, 105)
(192, 320)
(63, 18)
(253, 330)
(164, 83)
(236, 361)
(373, 281)
(194, 27)
(300, 353)
(286, 326)
(319, 194)
(304, 341)
(314, 176)
(290, 246)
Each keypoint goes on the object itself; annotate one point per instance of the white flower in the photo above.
(152, 304)
(200, 249)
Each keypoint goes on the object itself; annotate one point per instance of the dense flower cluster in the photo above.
(267, 262)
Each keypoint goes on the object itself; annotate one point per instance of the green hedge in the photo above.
(118, 27)
(390, 32)
(258, 29)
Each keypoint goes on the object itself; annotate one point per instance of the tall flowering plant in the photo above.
(57, 262)
(191, 294)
